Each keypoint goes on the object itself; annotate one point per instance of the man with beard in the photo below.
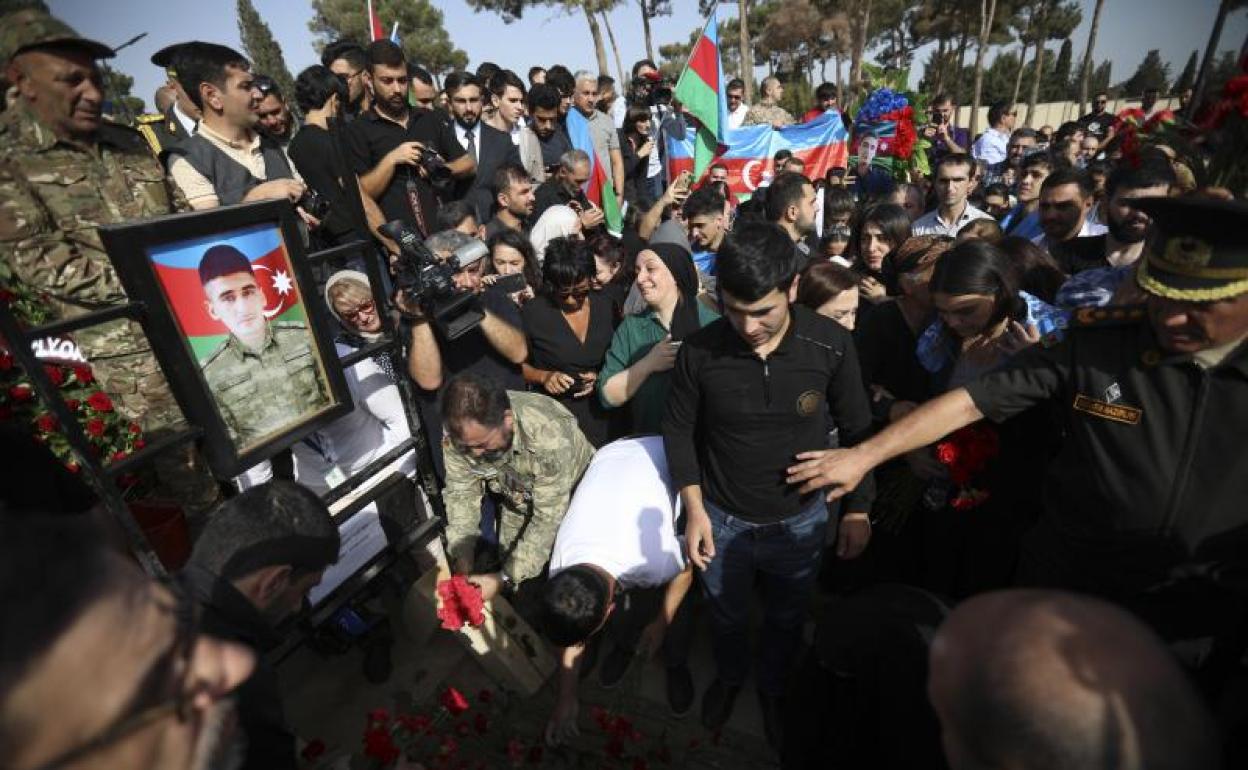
(422, 94)
(349, 61)
(253, 565)
(388, 143)
(1104, 262)
(544, 141)
(525, 452)
(791, 205)
(273, 113)
(513, 193)
(176, 116)
(1024, 219)
(102, 667)
(1098, 122)
(228, 161)
(601, 131)
(1066, 202)
(564, 188)
(488, 147)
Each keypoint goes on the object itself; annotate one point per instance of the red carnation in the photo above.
(453, 701)
(379, 716)
(947, 453)
(100, 402)
(139, 444)
(55, 375)
(21, 393)
(72, 466)
(119, 455)
(135, 429)
(414, 723)
(46, 422)
(461, 604)
(72, 404)
(83, 375)
(380, 746)
(6, 360)
(313, 750)
(95, 427)
(7, 296)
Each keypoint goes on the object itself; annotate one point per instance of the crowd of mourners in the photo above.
(966, 447)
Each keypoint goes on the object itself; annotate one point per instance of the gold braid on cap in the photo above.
(1208, 294)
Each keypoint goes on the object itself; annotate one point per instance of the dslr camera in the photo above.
(315, 204)
(430, 282)
(437, 171)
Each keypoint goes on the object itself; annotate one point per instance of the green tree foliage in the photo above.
(1101, 79)
(1057, 84)
(421, 30)
(10, 6)
(1225, 67)
(1187, 78)
(117, 86)
(264, 52)
(1152, 73)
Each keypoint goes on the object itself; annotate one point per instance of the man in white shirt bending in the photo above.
(618, 565)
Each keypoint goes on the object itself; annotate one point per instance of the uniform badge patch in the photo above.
(1127, 415)
(808, 403)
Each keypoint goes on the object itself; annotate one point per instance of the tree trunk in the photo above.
(987, 10)
(1206, 62)
(1086, 76)
(645, 26)
(840, 80)
(938, 86)
(747, 51)
(622, 84)
(1038, 72)
(1018, 76)
(956, 80)
(596, 32)
(860, 44)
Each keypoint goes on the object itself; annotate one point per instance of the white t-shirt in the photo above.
(623, 516)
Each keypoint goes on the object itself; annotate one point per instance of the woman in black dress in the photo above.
(569, 329)
(880, 229)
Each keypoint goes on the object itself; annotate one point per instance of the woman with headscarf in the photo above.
(555, 222)
(644, 347)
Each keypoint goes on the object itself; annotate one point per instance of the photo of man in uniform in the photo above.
(264, 376)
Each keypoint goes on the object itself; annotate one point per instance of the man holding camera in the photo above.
(402, 155)
(228, 161)
(945, 137)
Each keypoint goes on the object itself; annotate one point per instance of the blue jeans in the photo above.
(785, 556)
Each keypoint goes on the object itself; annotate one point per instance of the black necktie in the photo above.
(471, 147)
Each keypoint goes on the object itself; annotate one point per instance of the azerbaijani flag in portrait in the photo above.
(177, 269)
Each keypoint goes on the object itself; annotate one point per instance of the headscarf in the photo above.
(351, 336)
(679, 263)
(555, 222)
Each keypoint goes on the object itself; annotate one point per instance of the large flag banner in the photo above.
(177, 269)
(701, 90)
(598, 189)
(822, 144)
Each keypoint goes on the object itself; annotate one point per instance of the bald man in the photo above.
(1057, 681)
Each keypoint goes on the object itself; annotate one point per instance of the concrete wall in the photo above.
(1053, 113)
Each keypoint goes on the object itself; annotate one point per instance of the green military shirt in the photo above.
(533, 483)
(1151, 483)
(633, 339)
(261, 392)
(53, 195)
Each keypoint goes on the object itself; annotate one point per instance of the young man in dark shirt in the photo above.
(387, 143)
(750, 394)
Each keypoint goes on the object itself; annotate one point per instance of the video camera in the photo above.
(650, 90)
(429, 281)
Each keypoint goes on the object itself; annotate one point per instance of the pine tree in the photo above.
(1059, 80)
(1101, 78)
(263, 50)
(1187, 78)
(1152, 73)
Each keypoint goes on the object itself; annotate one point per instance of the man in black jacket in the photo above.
(488, 146)
(260, 554)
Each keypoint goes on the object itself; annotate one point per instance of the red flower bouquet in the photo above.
(460, 605)
(966, 454)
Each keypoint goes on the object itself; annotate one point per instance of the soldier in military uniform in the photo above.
(768, 111)
(525, 451)
(168, 127)
(264, 376)
(1145, 502)
(63, 172)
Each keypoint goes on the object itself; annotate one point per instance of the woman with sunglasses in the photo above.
(569, 328)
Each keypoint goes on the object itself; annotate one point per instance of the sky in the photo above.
(1128, 29)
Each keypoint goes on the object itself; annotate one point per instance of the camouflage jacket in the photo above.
(53, 195)
(533, 484)
(262, 392)
(767, 114)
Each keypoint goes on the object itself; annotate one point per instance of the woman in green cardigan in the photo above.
(635, 371)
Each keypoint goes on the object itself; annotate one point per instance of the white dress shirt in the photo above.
(461, 134)
(932, 224)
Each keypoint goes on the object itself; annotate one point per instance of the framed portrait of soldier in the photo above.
(235, 325)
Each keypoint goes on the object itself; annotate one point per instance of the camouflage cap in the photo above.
(31, 28)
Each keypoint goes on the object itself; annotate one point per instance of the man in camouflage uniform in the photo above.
(264, 376)
(63, 172)
(527, 453)
(768, 110)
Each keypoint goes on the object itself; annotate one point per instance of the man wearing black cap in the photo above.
(259, 556)
(1144, 503)
(167, 127)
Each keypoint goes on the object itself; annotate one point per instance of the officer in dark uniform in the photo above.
(168, 127)
(1147, 501)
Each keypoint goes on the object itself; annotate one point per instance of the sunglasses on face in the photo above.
(365, 308)
(574, 292)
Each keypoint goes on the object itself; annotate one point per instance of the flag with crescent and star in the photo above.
(177, 270)
(822, 144)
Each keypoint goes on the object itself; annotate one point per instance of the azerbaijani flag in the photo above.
(701, 90)
(177, 269)
(598, 189)
(375, 30)
(822, 144)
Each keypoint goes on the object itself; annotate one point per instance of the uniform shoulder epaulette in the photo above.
(148, 118)
(1112, 315)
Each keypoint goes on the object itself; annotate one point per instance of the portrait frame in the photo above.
(154, 259)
